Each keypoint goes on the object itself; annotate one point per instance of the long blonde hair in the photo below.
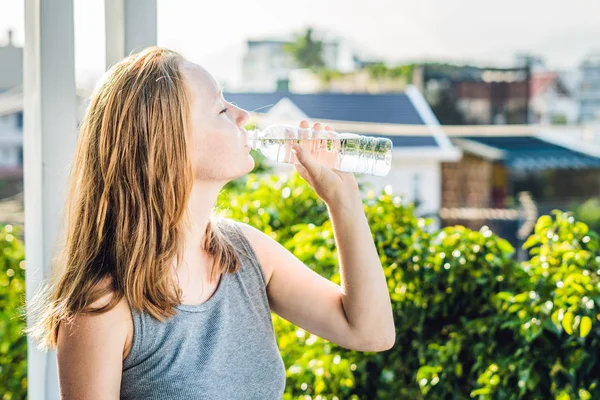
(129, 185)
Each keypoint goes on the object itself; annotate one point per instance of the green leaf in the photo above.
(542, 224)
(563, 396)
(585, 326)
(531, 241)
(482, 391)
(557, 317)
(521, 298)
(584, 394)
(567, 322)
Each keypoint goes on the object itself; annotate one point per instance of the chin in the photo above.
(250, 164)
(248, 167)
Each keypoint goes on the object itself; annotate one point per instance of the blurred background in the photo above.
(515, 87)
(494, 112)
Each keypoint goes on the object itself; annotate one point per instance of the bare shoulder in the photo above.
(92, 327)
(263, 246)
(90, 351)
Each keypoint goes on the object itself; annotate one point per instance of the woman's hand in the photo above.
(333, 186)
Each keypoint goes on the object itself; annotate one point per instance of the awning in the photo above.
(529, 153)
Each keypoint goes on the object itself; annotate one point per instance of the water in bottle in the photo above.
(343, 151)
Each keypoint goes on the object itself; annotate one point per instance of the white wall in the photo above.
(407, 179)
(552, 103)
(263, 65)
(403, 177)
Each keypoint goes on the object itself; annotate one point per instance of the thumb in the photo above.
(307, 161)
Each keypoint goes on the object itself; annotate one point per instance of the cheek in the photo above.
(216, 159)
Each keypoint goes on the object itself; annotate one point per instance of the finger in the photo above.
(329, 128)
(302, 171)
(307, 161)
(303, 135)
(318, 142)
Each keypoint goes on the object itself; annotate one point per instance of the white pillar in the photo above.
(130, 27)
(50, 130)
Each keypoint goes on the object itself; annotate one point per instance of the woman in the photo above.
(153, 296)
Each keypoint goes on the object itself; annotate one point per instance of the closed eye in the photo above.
(223, 110)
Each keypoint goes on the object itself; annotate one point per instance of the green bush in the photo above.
(588, 212)
(13, 345)
(471, 321)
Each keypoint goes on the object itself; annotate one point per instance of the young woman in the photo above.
(154, 297)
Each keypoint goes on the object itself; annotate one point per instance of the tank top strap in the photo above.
(242, 247)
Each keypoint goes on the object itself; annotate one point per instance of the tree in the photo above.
(307, 51)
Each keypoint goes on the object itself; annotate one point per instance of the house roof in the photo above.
(529, 153)
(542, 81)
(390, 108)
(539, 82)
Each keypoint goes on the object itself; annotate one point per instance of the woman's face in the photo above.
(218, 140)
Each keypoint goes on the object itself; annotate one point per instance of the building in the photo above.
(589, 96)
(418, 151)
(558, 170)
(11, 133)
(11, 64)
(266, 66)
(551, 101)
(476, 96)
(11, 110)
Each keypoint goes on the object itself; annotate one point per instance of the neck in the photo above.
(196, 263)
(200, 207)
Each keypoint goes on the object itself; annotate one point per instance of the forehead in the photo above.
(200, 82)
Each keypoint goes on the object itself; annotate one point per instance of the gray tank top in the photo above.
(224, 348)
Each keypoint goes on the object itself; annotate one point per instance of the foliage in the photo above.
(471, 322)
(381, 70)
(13, 345)
(589, 213)
(559, 119)
(307, 51)
(327, 75)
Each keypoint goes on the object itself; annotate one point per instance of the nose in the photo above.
(243, 117)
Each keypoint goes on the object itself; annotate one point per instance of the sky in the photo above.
(213, 32)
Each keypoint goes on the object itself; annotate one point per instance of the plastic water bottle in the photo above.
(343, 151)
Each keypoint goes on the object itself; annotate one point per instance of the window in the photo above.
(20, 120)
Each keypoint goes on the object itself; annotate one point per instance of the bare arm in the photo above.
(90, 354)
(365, 294)
(308, 300)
